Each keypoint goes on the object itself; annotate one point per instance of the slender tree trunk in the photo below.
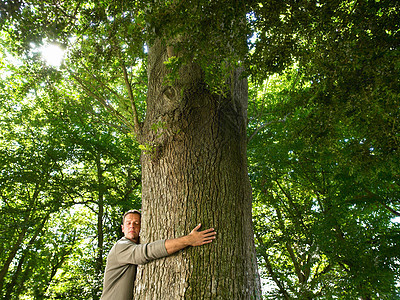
(17, 273)
(19, 288)
(11, 254)
(196, 172)
(55, 266)
(271, 271)
(14, 278)
(100, 234)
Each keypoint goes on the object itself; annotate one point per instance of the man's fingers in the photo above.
(207, 242)
(203, 231)
(203, 237)
(208, 230)
(209, 236)
(199, 238)
(197, 227)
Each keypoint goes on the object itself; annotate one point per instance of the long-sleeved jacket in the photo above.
(122, 261)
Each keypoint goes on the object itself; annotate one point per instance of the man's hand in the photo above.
(194, 238)
(198, 238)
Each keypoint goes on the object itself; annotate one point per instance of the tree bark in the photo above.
(100, 234)
(195, 171)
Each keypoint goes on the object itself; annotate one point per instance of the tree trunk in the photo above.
(13, 251)
(100, 234)
(195, 171)
(10, 257)
(17, 273)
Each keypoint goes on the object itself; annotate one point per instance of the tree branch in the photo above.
(265, 125)
(302, 278)
(271, 272)
(102, 101)
(392, 210)
(132, 100)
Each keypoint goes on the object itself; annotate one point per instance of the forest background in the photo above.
(323, 137)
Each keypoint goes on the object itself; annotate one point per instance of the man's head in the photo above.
(131, 225)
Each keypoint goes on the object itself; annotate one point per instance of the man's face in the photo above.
(131, 227)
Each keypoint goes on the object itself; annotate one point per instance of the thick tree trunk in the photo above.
(196, 172)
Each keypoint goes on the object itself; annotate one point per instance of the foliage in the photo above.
(323, 213)
(328, 136)
(51, 158)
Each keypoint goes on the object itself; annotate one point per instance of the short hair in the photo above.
(131, 211)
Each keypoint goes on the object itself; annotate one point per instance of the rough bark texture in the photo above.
(196, 173)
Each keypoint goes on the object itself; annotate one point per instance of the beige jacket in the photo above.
(122, 261)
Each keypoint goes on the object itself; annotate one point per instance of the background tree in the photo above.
(336, 124)
(318, 227)
(49, 152)
(29, 179)
(107, 173)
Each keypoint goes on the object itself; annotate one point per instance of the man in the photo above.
(127, 253)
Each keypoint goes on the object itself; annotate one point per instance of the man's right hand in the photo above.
(194, 238)
(198, 238)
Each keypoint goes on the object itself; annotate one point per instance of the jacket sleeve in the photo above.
(128, 252)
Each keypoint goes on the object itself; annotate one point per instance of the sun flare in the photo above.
(52, 54)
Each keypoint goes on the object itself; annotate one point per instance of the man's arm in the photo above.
(194, 238)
